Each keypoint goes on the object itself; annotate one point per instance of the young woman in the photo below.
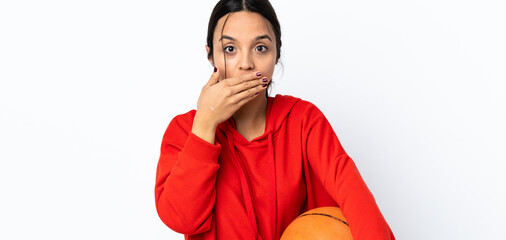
(244, 165)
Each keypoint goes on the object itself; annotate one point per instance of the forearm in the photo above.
(185, 192)
(357, 202)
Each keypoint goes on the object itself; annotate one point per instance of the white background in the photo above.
(414, 90)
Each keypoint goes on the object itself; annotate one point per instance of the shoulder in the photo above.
(309, 109)
(179, 127)
(300, 107)
(184, 120)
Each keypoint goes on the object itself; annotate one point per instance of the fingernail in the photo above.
(215, 69)
(259, 74)
(264, 85)
(264, 80)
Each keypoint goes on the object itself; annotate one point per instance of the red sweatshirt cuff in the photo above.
(198, 148)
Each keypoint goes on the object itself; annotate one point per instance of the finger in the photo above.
(244, 96)
(215, 77)
(246, 100)
(248, 84)
(240, 79)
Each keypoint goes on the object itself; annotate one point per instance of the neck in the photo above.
(252, 113)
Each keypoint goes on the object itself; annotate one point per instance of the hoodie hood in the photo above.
(278, 109)
(281, 106)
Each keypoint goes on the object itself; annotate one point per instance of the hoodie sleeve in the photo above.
(341, 179)
(186, 173)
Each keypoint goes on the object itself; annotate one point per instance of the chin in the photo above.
(261, 94)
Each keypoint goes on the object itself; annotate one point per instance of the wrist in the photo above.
(203, 122)
(204, 129)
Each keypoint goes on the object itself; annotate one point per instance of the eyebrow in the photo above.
(265, 36)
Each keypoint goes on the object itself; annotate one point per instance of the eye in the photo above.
(229, 49)
(261, 48)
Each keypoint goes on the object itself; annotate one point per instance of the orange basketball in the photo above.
(323, 223)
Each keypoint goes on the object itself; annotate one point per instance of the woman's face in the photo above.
(249, 45)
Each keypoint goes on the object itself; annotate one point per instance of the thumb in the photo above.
(215, 77)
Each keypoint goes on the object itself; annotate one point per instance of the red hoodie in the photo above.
(240, 189)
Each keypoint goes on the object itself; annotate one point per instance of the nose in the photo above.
(246, 61)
